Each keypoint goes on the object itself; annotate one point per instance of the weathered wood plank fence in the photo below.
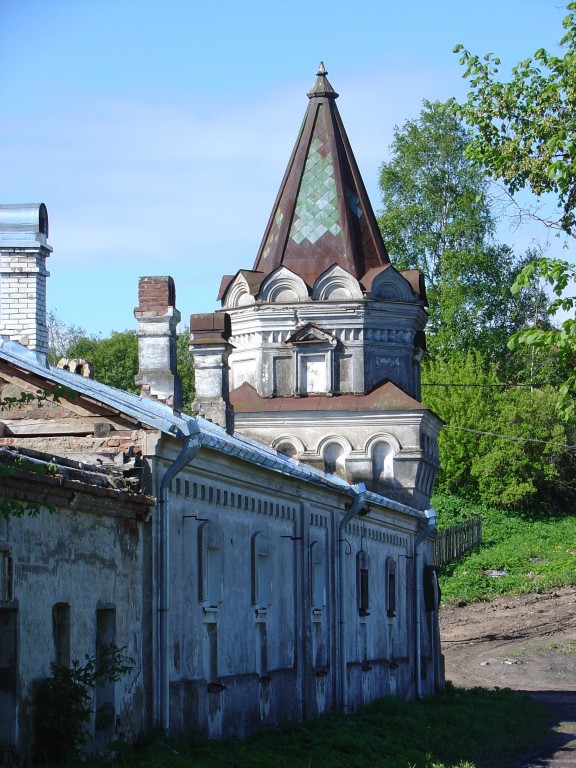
(457, 539)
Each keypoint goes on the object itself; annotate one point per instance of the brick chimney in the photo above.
(210, 345)
(157, 321)
(23, 254)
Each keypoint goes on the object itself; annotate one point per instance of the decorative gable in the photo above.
(283, 286)
(388, 284)
(240, 290)
(311, 334)
(335, 284)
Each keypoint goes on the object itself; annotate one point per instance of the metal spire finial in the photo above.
(321, 70)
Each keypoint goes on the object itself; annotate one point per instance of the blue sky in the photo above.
(157, 133)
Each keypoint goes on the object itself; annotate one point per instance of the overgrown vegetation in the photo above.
(502, 445)
(521, 551)
(64, 703)
(524, 136)
(456, 729)
(10, 507)
(115, 357)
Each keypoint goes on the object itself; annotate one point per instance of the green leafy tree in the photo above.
(437, 217)
(561, 341)
(185, 368)
(115, 360)
(61, 336)
(501, 445)
(525, 129)
(525, 137)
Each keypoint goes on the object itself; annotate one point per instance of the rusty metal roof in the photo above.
(322, 215)
(385, 397)
(163, 418)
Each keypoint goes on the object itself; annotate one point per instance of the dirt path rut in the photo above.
(523, 642)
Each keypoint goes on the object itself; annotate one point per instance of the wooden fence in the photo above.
(457, 539)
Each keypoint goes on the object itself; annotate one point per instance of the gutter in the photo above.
(358, 507)
(422, 536)
(187, 454)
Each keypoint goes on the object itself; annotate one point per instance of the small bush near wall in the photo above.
(64, 703)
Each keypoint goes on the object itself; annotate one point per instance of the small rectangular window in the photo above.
(8, 675)
(364, 603)
(61, 634)
(391, 587)
(106, 693)
(264, 571)
(213, 577)
(362, 580)
(318, 585)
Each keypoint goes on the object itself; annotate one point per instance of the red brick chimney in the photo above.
(157, 321)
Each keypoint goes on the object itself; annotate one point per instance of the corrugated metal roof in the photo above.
(163, 418)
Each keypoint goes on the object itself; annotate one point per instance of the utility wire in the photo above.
(506, 384)
(563, 446)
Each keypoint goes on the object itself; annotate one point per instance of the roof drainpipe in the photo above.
(187, 454)
(422, 536)
(357, 507)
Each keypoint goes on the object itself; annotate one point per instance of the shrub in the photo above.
(63, 703)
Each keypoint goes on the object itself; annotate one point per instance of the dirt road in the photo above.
(523, 642)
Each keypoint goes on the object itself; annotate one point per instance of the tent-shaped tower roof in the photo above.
(322, 215)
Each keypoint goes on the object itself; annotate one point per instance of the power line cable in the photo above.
(562, 446)
(503, 384)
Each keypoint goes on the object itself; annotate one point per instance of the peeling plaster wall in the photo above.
(87, 561)
(237, 664)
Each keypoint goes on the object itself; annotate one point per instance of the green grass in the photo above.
(542, 650)
(537, 552)
(456, 729)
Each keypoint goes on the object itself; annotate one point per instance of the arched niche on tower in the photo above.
(389, 285)
(289, 445)
(238, 293)
(382, 450)
(335, 284)
(284, 286)
(334, 449)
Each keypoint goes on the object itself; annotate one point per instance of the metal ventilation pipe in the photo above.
(356, 508)
(422, 536)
